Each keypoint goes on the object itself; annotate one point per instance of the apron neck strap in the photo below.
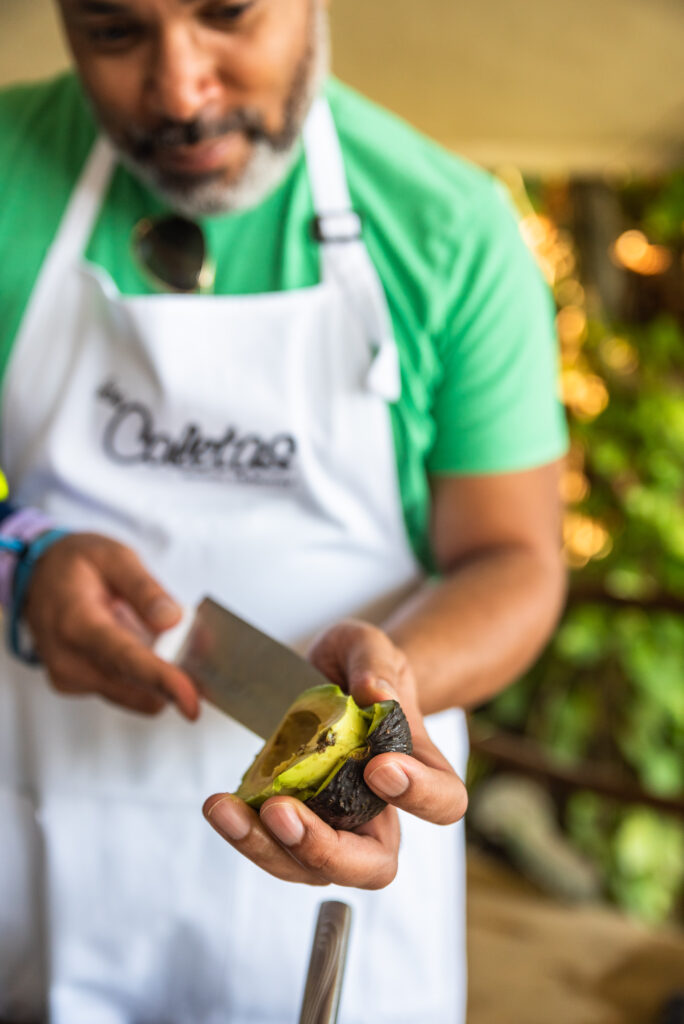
(81, 213)
(344, 257)
(327, 176)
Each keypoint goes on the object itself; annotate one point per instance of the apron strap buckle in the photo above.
(343, 226)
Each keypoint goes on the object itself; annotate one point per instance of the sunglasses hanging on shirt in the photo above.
(172, 252)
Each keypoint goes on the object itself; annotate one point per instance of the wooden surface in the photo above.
(533, 961)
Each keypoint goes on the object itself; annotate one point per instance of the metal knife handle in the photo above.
(326, 964)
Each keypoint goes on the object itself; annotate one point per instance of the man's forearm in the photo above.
(470, 635)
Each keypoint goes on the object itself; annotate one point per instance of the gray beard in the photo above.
(268, 163)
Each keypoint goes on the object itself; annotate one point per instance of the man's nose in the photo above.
(182, 80)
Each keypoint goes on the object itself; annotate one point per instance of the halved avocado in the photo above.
(319, 751)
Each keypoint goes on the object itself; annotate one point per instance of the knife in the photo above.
(244, 672)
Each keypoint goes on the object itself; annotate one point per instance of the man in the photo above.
(357, 392)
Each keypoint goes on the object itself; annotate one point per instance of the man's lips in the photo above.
(200, 158)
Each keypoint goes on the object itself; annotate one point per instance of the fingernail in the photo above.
(230, 818)
(284, 823)
(163, 612)
(384, 687)
(389, 780)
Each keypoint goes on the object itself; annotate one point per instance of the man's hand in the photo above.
(289, 841)
(93, 611)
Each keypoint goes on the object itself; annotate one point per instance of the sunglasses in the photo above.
(172, 253)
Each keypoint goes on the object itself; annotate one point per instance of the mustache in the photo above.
(168, 133)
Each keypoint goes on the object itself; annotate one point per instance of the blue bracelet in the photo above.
(16, 547)
(22, 577)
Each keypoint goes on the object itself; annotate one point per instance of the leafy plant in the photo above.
(609, 690)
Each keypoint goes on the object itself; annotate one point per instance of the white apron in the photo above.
(243, 447)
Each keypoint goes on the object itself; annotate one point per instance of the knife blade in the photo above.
(244, 672)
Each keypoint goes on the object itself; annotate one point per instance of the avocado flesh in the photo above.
(318, 732)
(319, 752)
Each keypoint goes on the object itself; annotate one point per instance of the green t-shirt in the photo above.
(472, 316)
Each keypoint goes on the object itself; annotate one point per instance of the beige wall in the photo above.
(30, 44)
(544, 84)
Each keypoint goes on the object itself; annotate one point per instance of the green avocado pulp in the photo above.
(318, 734)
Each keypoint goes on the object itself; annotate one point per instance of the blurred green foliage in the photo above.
(639, 852)
(609, 690)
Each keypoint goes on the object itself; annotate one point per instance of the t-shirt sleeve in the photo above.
(46, 131)
(497, 408)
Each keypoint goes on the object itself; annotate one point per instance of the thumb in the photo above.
(373, 672)
(127, 576)
(362, 659)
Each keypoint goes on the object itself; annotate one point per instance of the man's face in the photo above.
(204, 99)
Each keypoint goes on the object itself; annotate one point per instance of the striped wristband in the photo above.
(25, 535)
(17, 531)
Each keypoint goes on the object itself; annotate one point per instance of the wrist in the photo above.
(17, 531)
(20, 644)
(25, 535)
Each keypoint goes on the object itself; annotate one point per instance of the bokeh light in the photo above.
(585, 394)
(574, 486)
(584, 539)
(633, 251)
(619, 355)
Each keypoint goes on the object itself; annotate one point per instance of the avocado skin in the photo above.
(347, 802)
